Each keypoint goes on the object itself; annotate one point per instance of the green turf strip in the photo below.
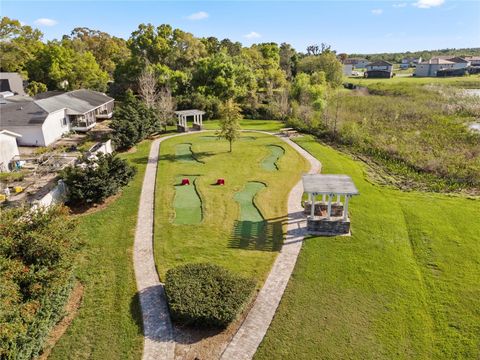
(270, 162)
(183, 153)
(187, 203)
(213, 137)
(248, 210)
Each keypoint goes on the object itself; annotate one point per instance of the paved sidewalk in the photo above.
(250, 334)
(157, 327)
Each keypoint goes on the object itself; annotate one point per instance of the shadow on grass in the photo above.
(136, 312)
(266, 235)
(199, 157)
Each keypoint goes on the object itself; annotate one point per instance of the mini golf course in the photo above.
(270, 162)
(245, 198)
(184, 153)
(241, 138)
(187, 203)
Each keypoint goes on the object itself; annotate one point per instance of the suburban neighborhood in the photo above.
(223, 180)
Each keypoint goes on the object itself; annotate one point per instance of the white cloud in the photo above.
(252, 35)
(400, 5)
(425, 4)
(46, 22)
(198, 16)
(377, 11)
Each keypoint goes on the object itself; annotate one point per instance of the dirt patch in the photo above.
(132, 150)
(89, 209)
(70, 309)
(206, 344)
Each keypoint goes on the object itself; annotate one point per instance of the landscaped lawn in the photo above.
(107, 325)
(240, 241)
(405, 285)
(248, 124)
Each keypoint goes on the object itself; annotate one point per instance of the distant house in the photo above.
(379, 69)
(358, 63)
(474, 60)
(409, 61)
(460, 63)
(430, 67)
(347, 69)
(43, 121)
(8, 148)
(12, 82)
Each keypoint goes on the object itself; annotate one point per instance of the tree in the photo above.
(147, 87)
(165, 107)
(93, 179)
(326, 62)
(229, 123)
(18, 45)
(55, 63)
(34, 88)
(288, 60)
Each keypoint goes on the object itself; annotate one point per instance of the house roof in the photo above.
(10, 133)
(10, 81)
(380, 63)
(458, 60)
(329, 184)
(26, 111)
(77, 101)
(437, 61)
(22, 114)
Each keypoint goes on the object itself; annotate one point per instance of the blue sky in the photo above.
(349, 26)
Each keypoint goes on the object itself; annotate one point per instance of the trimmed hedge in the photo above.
(206, 295)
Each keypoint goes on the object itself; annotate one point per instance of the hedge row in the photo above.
(36, 275)
(206, 295)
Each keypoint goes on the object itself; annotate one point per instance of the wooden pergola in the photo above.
(330, 215)
(182, 116)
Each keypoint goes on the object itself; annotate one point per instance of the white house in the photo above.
(43, 121)
(8, 148)
(430, 67)
(358, 63)
(347, 69)
(409, 61)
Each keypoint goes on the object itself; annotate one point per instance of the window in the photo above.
(64, 121)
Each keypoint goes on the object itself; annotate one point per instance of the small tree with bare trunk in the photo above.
(229, 123)
(148, 88)
(165, 106)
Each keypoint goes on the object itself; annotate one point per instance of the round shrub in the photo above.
(206, 295)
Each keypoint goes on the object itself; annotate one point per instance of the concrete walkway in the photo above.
(157, 327)
(250, 334)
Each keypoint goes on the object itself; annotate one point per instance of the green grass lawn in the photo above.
(247, 124)
(406, 285)
(220, 237)
(471, 81)
(107, 323)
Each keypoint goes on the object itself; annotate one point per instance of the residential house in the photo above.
(358, 63)
(12, 82)
(347, 69)
(430, 67)
(460, 63)
(379, 69)
(409, 61)
(474, 60)
(42, 121)
(8, 148)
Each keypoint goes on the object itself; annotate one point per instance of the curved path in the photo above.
(250, 334)
(157, 327)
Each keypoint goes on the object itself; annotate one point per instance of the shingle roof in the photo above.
(329, 184)
(10, 81)
(77, 101)
(458, 60)
(380, 63)
(22, 114)
(436, 61)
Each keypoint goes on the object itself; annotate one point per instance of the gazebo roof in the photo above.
(190, 112)
(329, 184)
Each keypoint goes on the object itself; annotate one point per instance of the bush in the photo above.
(36, 275)
(92, 180)
(206, 295)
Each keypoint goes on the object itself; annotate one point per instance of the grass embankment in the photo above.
(107, 325)
(218, 238)
(406, 285)
(416, 130)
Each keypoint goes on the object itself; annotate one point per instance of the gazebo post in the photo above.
(345, 208)
(201, 120)
(323, 198)
(338, 198)
(312, 205)
(329, 207)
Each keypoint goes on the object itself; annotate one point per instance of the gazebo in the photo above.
(330, 215)
(182, 116)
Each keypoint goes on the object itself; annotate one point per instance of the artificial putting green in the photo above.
(183, 152)
(220, 237)
(270, 162)
(241, 138)
(245, 198)
(187, 203)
